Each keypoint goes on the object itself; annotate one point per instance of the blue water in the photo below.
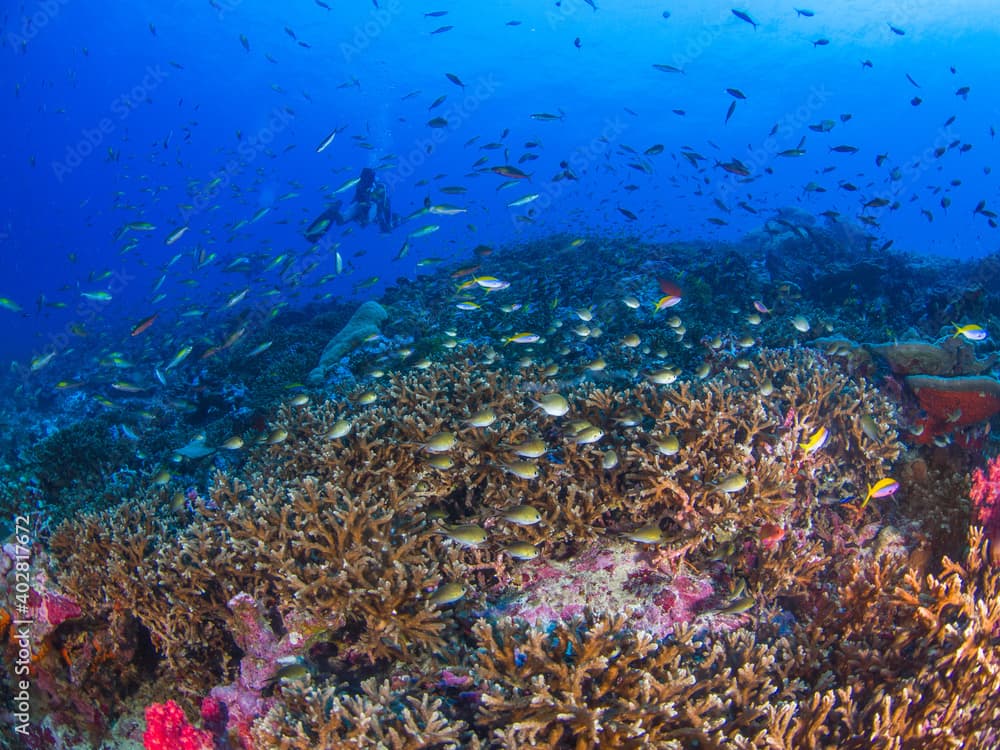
(118, 113)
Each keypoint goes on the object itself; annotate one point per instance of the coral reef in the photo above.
(948, 381)
(655, 592)
(379, 715)
(816, 681)
(646, 532)
(80, 467)
(951, 356)
(312, 556)
(598, 683)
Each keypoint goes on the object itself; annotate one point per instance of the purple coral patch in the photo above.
(614, 579)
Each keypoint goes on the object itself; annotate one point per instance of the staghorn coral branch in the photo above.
(849, 641)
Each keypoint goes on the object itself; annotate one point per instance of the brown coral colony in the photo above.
(478, 547)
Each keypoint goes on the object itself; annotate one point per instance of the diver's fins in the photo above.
(323, 222)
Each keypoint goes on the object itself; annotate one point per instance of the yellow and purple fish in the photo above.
(881, 488)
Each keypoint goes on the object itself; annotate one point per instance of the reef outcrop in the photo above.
(363, 325)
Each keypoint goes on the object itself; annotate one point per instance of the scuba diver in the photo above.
(371, 203)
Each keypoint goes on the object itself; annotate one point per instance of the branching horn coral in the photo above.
(845, 676)
(331, 548)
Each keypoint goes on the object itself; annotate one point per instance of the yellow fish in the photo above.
(669, 445)
(650, 534)
(732, 483)
(448, 593)
(161, 478)
(553, 404)
(482, 418)
(440, 443)
(521, 550)
(522, 338)
(816, 441)
(666, 301)
(522, 515)
(739, 606)
(277, 435)
(881, 488)
(530, 449)
(441, 461)
(523, 469)
(340, 428)
(468, 535)
(970, 332)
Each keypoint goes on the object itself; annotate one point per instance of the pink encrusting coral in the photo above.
(615, 579)
(25, 582)
(47, 607)
(985, 496)
(239, 703)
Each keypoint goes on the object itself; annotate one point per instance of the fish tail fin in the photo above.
(868, 496)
